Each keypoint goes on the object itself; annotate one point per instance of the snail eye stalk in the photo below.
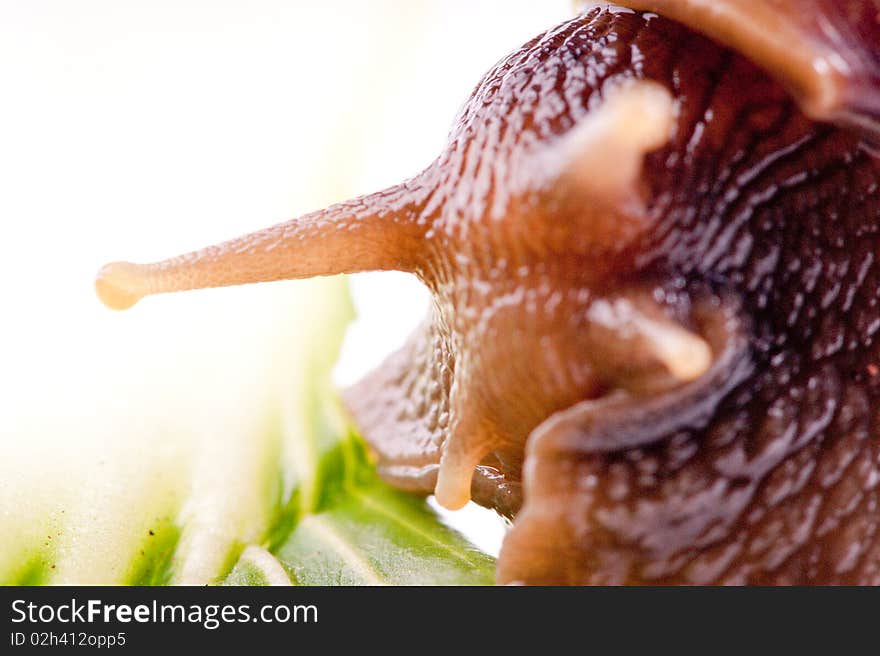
(378, 232)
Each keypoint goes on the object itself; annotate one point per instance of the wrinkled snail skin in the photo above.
(652, 247)
(823, 51)
(780, 485)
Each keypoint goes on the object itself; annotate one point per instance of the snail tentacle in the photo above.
(378, 232)
(651, 242)
(555, 504)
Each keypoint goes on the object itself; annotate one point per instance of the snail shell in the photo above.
(651, 243)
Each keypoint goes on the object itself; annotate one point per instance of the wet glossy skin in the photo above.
(781, 485)
(656, 302)
(823, 51)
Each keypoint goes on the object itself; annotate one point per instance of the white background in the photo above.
(136, 129)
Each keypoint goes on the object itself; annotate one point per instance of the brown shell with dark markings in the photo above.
(652, 243)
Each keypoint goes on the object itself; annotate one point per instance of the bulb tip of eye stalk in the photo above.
(116, 285)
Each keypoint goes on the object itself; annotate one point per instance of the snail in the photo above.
(652, 246)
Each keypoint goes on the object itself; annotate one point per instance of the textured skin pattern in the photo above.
(823, 51)
(654, 339)
(750, 199)
(782, 486)
(512, 289)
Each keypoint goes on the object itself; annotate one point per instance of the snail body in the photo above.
(651, 243)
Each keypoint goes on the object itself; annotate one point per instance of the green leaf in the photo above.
(255, 477)
(257, 567)
(370, 534)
